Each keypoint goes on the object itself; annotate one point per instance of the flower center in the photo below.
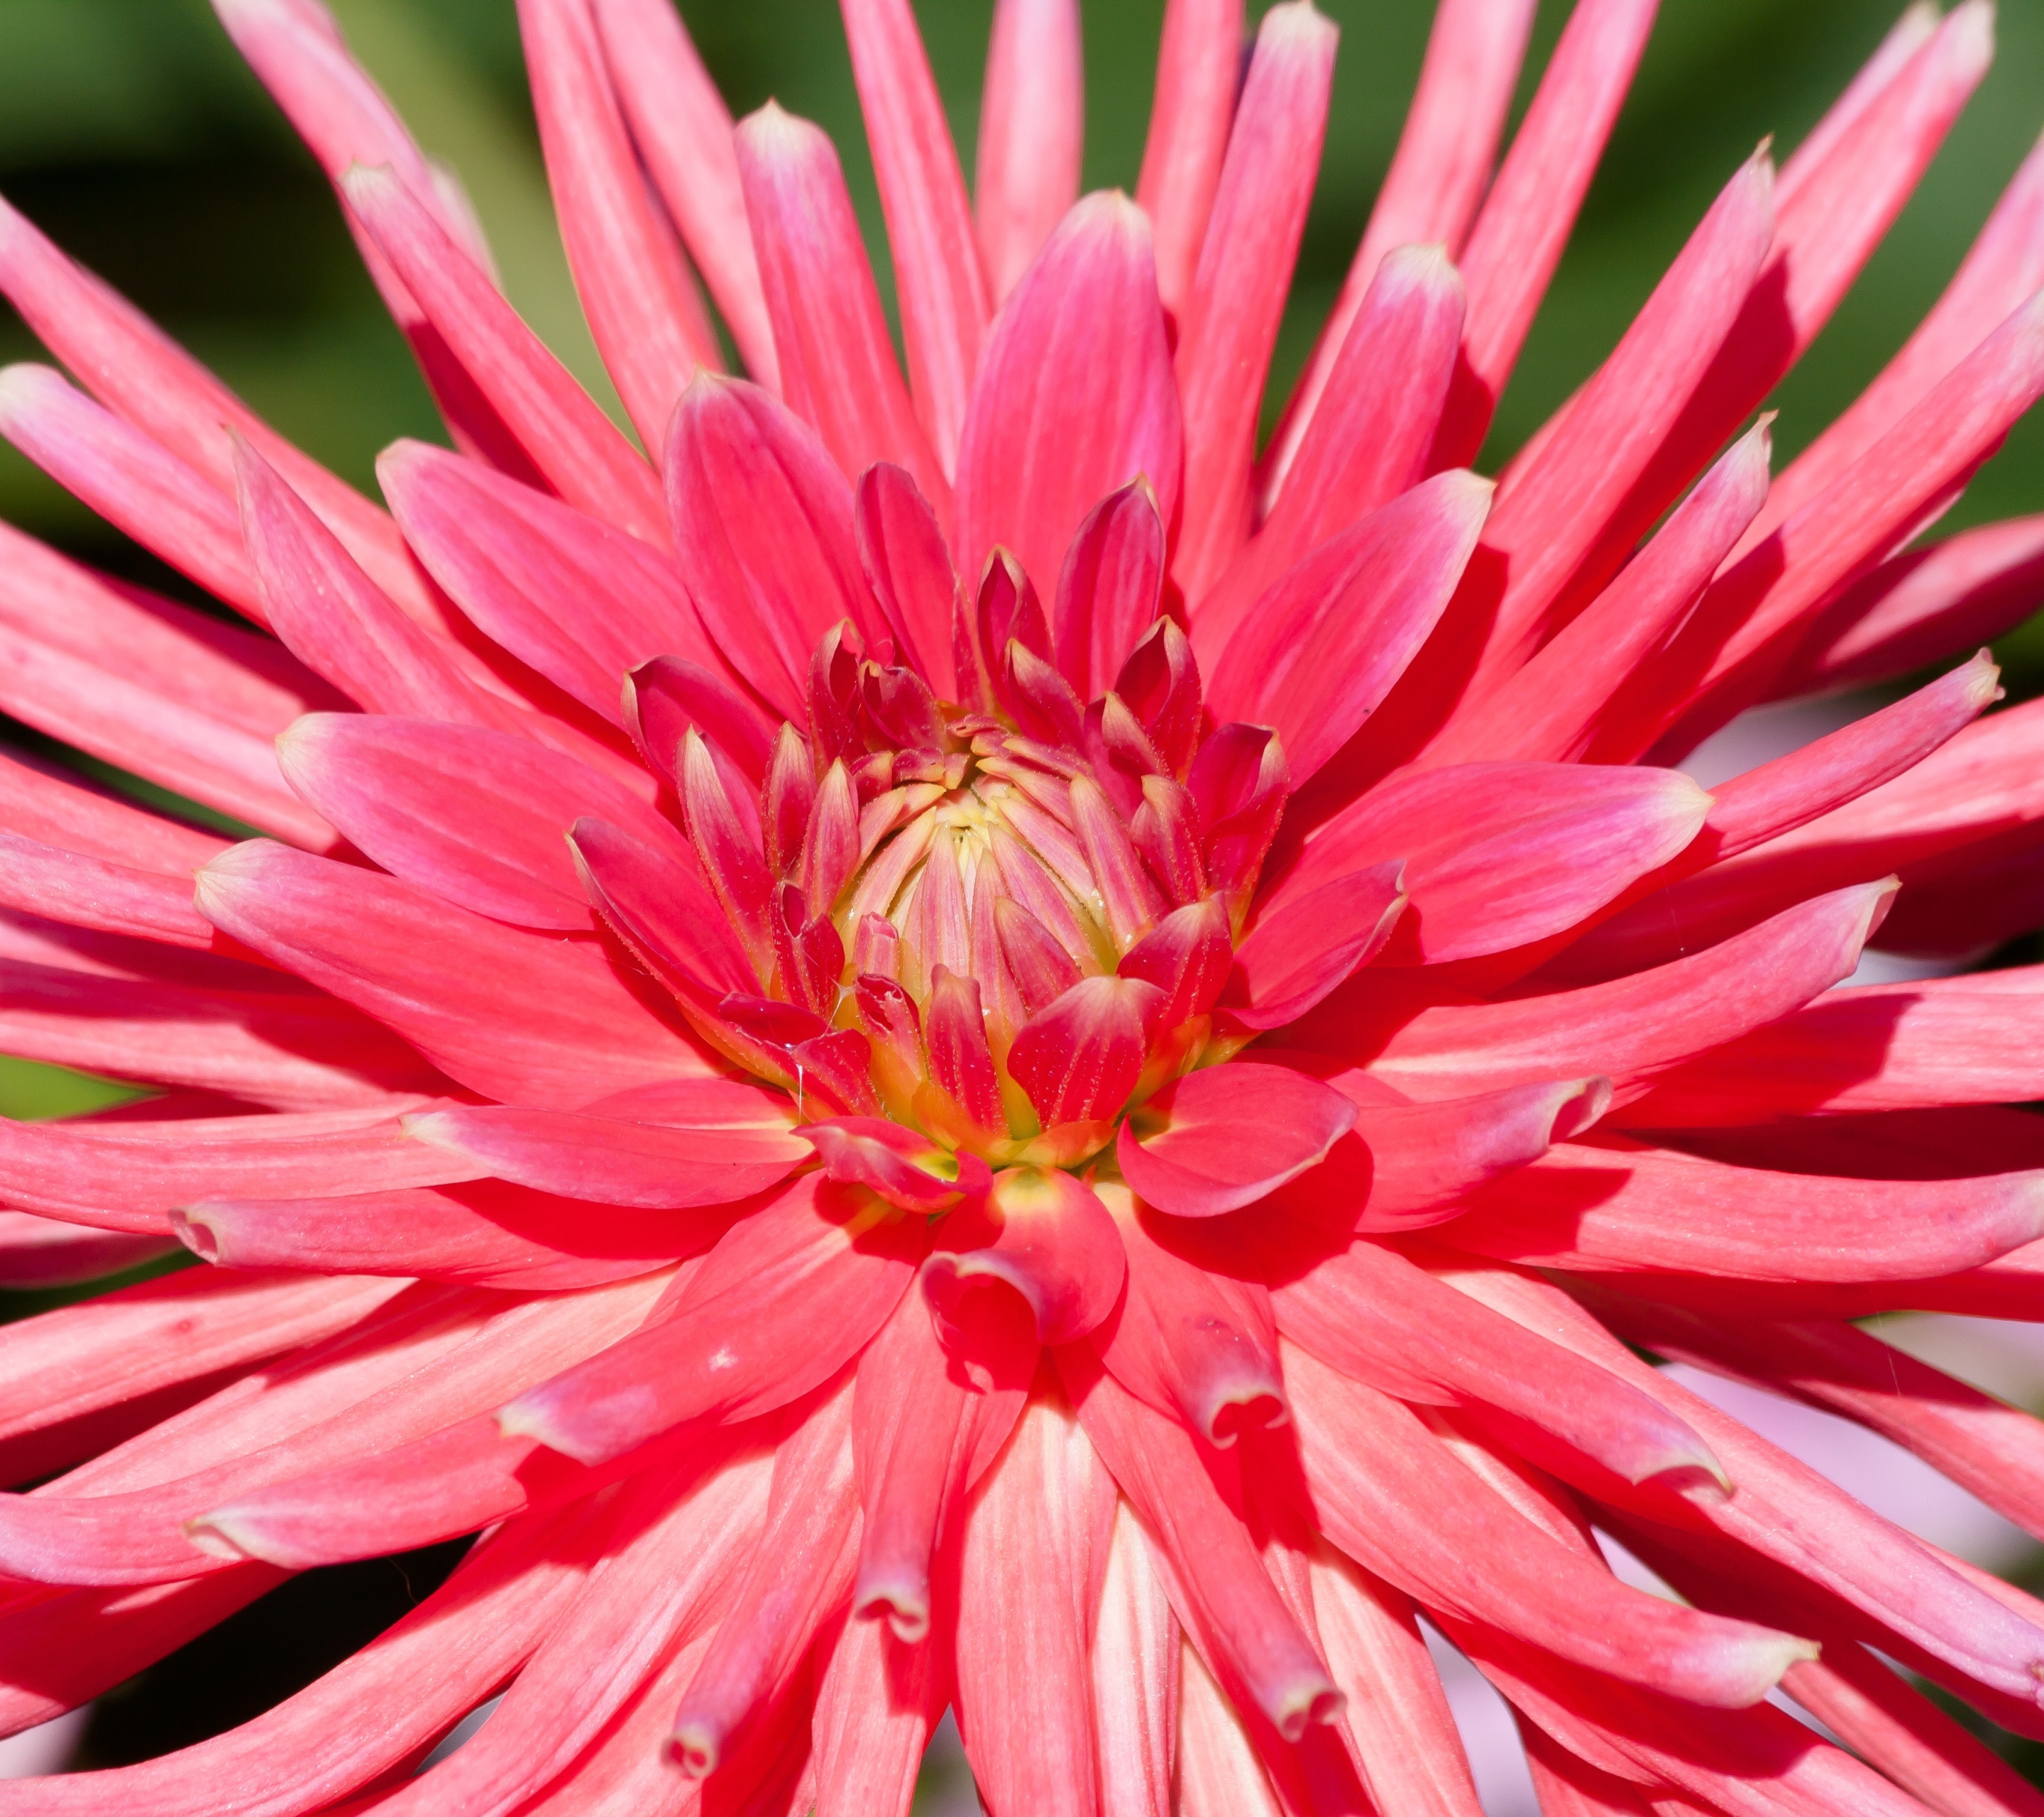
(996, 923)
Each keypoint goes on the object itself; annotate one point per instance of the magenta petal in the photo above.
(1045, 1234)
(905, 1168)
(1309, 947)
(620, 1162)
(1230, 1135)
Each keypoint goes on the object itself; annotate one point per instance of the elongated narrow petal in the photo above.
(1649, 1209)
(763, 524)
(1497, 856)
(711, 1155)
(1570, 701)
(1075, 394)
(786, 1298)
(837, 363)
(1374, 1315)
(801, 1567)
(435, 971)
(569, 440)
(525, 568)
(1536, 1586)
(1198, 72)
(128, 479)
(167, 692)
(682, 128)
(1225, 1139)
(942, 287)
(648, 320)
(1030, 121)
(1326, 643)
(1209, 1554)
(136, 370)
(487, 1233)
(1552, 506)
(478, 817)
(133, 1175)
(1528, 215)
(1229, 324)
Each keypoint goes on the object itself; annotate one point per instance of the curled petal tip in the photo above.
(905, 1605)
(1307, 1701)
(1578, 1105)
(696, 1748)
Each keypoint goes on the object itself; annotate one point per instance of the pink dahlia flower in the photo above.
(948, 1042)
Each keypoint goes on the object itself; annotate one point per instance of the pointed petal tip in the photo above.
(1983, 686)
(218, 1536)
(531, 1415)
(1577, 1105)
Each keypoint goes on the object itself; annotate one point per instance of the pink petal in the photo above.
(1198, 1345)
(1109, 588)
(713, 1154)
(1647, 1209)
(902, 549)
(93, 892)
(1031, 119)
(153, 687)
(1570, 701)
(523, 568)
(1391, 1496)
(1437, 178)
(1944, 1041)
(485, 1233)
(138, 487)
(298, 54)
(648, 320)
(937, 276)
(1229, 1137)
(478, 817)
(336, 620)
(1078, 1060)
(1228, 327)
(1075, 395)
(1916, 607)
(1527, 214)
(1027, 1568)
(1040, 1232)
(1406, 1165)
(572, 1030)
(927, 1422)
(1639, 1023)
(1553, 503)
(656, 900)
(132, 1175)
(583, 456)
(139, 373)
(1199, 73)
(682, 130)
(1838, 196)
(1136, 1651)
(837, 369)
(1371, 429)
(292, 1050)
(1227, 1598)
(1375, 1316)
(788, 1297)
(903, 1167)
(1308, 945)
(43, 1252)
(800, 1567)
(763, 522)
(1498, 855)
(46, 806)
(1324, 644)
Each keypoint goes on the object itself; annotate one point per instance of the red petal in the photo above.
(910, 569)
(1079, 1059)
(668, 1164)
(1075, 395)
(1229, 1136)
(1307, 946)
(1044, 1234)
(905, 1168)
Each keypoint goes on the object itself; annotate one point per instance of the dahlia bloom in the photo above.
(950, 1043)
